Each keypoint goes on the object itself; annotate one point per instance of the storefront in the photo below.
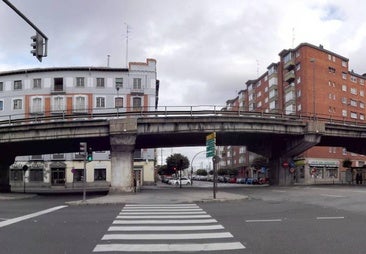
(322, 171)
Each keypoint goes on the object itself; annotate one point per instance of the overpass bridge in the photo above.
(275, 136)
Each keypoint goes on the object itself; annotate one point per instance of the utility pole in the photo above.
(37, 44)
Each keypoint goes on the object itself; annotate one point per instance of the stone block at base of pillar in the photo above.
(117, 190)
(5, 188)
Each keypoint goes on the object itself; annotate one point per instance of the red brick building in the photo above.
(309, 81)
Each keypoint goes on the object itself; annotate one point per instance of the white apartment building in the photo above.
(74, 90)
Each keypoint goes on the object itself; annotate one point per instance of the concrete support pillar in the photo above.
(5, 163)
(280, 174)
(122, 140)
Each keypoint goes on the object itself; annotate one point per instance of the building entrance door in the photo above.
(58, 176)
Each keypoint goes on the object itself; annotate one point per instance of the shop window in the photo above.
(100, 174)
(36, 175)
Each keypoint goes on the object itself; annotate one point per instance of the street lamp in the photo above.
(312, 60)
(117, 100)
(192, 164)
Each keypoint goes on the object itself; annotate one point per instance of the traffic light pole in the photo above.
(84, 179)
(30, 23)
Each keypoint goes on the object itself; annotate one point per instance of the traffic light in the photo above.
(37, 46)
(83, 148)
(90, 154)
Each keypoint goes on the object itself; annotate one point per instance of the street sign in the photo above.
(210, 144)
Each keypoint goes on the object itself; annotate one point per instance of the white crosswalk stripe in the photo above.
(172, 227)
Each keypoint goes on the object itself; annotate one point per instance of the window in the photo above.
(136, 103)
(344, 63)
(78, 174)
(344, 112)
(1, 86)
(100, 82)
(58, 103)
(1, 105)
(353, 79)
(354, 91)
(344, 100)
(344, 75)
(58, 84)
(119, 83)
(80, 82)
(344, 88)
(80, 103)
(259, 94)
(298, 80)
(362, 105)
(287, 57)
(353, 103)
(36, 106)
(118, 102)
(36, 175)
(353, 115)
(298, 67)
(17, 85)
(100, 174)
(100, 102)
(362, 116)
(17, 104)
(37, 83)
(362, 93)
(137, 83)
(331, 70)
(16, 175)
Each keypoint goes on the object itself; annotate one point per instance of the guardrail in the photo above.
(165, 111)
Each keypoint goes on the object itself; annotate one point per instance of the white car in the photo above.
(185, 181)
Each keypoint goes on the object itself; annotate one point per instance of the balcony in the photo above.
(137, 91)
(290, 65)
(290, 76)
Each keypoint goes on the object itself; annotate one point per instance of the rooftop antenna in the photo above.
(108, 56)
(127, 32)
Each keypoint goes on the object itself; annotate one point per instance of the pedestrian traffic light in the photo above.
(90, 154)
(37, 46)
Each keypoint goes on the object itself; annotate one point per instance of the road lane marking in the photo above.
(164, 221)
(163, 210)
(330, 218)
(268, 220)
(163, 216)
(332, 196)
(28, 216)
(168, 247)
(166, 236)
(136, 213)
(164, 228)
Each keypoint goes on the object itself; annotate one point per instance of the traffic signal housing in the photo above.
(89, 157)
(83, 146)
(37, 46)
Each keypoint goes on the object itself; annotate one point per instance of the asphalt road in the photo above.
(330, 219)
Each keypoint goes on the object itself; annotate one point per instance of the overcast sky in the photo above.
(205, 50)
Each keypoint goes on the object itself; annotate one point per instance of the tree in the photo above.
(164, 170)
(177, 161)
(222, 172)
(260, 162)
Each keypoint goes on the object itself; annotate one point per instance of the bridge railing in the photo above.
(167, 111)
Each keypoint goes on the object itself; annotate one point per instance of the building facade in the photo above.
(75, 90)
(314, 82)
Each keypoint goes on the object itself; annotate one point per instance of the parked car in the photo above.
(241, 180)
(184, 180)
(252, 181)
(232, 180)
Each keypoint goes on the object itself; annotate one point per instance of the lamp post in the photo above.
(312, 60)
(117, 99)
(192, 164)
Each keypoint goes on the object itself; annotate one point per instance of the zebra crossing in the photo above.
(165, 228)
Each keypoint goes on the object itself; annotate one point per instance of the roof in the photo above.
(51, 69)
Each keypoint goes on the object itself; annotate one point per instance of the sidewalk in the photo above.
(163, 195)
